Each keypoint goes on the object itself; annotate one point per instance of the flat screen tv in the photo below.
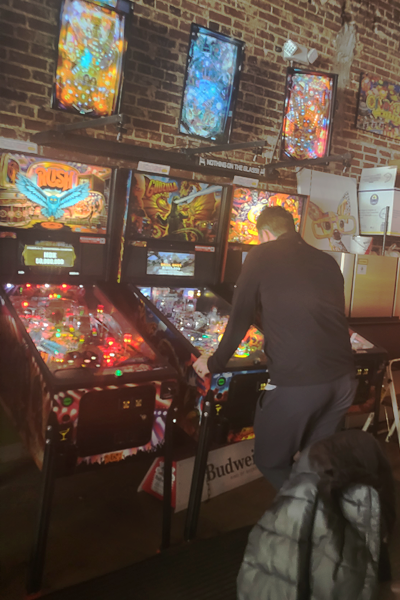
(307, 114)
(211, 83)
(247, 205)
(173, 209)
(47, 195)
(92, 47)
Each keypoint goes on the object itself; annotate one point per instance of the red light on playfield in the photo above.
(100, 308)
(64, 286)
(25, 304)
(110, 341)
(127, 338)
(28, 285)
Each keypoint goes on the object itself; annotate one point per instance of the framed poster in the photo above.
(378, 109)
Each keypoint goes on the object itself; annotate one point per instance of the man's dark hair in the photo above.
(276, 219)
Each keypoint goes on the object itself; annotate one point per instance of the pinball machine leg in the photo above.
(199, 470)
(167, 488)
(36, 563)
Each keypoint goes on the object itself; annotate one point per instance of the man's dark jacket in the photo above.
(321, 539)
(301, 293)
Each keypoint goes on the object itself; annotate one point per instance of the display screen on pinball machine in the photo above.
(48, 210)
(308, 114)
(211, 84)
(91, 55)
(174, 209)
(248, 204)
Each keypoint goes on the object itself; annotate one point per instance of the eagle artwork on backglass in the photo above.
(52, 206)
(53, 195)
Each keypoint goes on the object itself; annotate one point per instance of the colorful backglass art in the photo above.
(378, 108)
(52, 195)
(211, 84)
(247, 205)
(308, 113)
(91, 50)
(174, 209)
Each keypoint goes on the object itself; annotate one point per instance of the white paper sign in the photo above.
(245, 181)
(332, 215)
(153, 168)
(18, 145)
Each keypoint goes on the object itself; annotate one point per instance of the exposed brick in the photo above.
(11, 120)
(11, 42)
(26, 111)
(43, 26)
(7, 68)
(9, 16)
(12, 94)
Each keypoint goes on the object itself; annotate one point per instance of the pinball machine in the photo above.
(174, 244)
(79, 381)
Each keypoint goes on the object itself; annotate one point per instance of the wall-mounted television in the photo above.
(247, 205)
(92, 47)
(173, 209)
(307, 114)
(52, 196)
(211, 83)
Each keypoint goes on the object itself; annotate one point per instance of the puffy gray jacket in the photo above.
(321, 538)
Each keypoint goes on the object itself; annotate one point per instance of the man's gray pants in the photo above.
(289, 419)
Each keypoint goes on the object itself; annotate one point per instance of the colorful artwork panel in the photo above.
(91, 50)
(174, 209)
(53, 195)
(247, 205)
(378, 108)
(211, 81)
(308, 112)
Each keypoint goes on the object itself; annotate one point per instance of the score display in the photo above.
(53, 255)
(178, 264)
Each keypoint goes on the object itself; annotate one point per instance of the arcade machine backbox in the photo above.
(68, 357)
(175, 239)
(247, 204)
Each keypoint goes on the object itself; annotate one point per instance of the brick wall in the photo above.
(351, 36)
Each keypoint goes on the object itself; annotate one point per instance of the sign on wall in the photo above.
(378, 108)
(332, 217)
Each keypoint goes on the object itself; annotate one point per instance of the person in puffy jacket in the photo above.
(325, 536)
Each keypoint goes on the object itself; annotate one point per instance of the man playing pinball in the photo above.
(306, 340)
